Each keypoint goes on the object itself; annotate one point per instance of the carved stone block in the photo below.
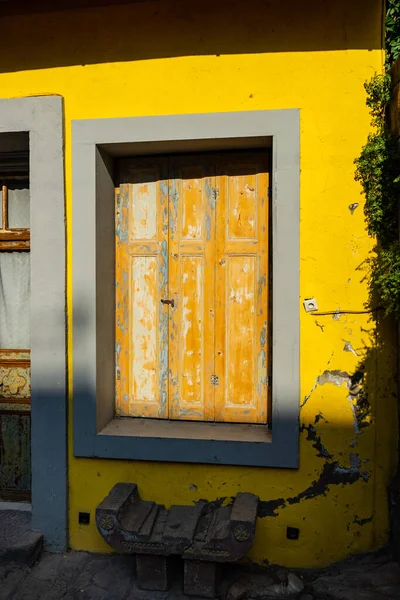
(202, 535)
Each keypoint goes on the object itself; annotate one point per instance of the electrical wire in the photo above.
(316, 313)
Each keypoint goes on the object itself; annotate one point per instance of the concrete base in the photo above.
(152, 572)
(199, 578)
(18, 543)
(25, 506)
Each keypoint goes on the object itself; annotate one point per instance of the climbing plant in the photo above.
(392, 31)
(378, 171)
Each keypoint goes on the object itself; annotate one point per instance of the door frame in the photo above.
(42, 118)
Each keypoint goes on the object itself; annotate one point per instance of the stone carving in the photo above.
(131, 525)
(241, 533)
(204, 533)
(106, 522)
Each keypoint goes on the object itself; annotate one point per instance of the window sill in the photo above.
(193, 430)
(186, 442)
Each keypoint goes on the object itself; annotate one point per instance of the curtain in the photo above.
(18, 205)
(14, 300)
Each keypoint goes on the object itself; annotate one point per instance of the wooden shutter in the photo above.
(193, 230)
(192, 280)
(141, 282)
(241, 314)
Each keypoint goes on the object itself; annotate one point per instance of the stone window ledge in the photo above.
(160, 428)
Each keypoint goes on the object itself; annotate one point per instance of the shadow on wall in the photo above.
(352, 454)
(172, 28)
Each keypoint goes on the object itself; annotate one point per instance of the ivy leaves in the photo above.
(392, 31)
(378, 171)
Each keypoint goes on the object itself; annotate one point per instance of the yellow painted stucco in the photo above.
(174, 57)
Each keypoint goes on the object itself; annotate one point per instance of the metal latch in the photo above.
(214, 380)
(170, 302)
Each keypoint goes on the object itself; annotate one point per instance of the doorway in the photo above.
(15, 373)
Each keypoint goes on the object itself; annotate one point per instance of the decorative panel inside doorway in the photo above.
(192, 287)
(15, 422)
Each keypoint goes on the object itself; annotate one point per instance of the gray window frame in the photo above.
(96, 143)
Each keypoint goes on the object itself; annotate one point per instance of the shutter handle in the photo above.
(171, 302)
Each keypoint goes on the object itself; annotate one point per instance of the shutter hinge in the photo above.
(118, 375)
(268, 380)
(214, 380)
(215, 193)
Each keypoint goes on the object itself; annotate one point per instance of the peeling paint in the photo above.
(262, 282)
(209, 193)
(306, 398)
(355, 460)
(332, 474)
(210, 506)
(164, 188)
(263, 334)
(358, 400)
(317, 444)
(349, 348)
(318, 418)
(362, 522)
(208, 227)
(335, 377)
(336, 315)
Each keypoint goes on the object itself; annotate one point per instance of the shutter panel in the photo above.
(242, 328)
(192, 260)
(141, 282)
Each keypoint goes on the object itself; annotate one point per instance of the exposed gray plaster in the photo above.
(356, 396)
(352, 207)
(335, 377)
(349, 348)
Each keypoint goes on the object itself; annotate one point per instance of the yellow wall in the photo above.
(167, 57)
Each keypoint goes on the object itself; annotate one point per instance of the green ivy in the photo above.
(392, 31)
(378, 171)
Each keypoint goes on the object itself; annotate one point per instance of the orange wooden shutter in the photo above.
(193, 230)
(242, 328)
(141, 281)
(191, 280)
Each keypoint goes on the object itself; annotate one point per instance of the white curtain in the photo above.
(18, 205)
(14, 300)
